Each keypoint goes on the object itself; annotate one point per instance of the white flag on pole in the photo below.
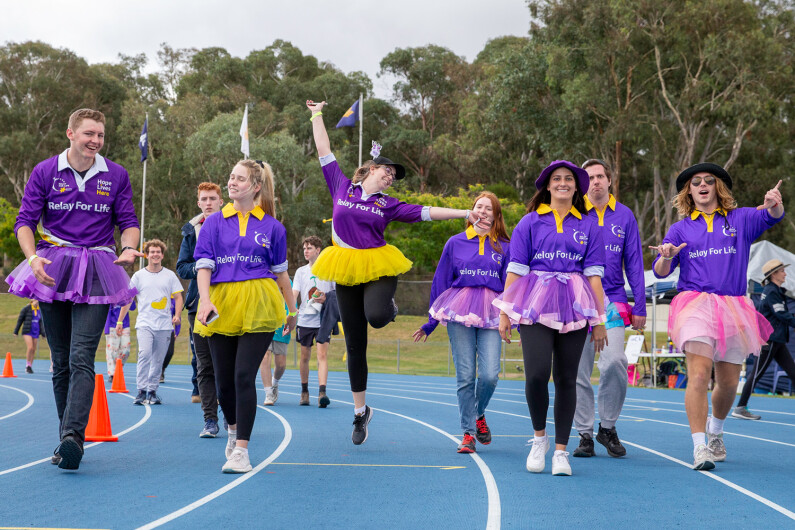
(244, 134)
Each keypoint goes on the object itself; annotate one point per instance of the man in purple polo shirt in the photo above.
(79, 198)
(622, 252)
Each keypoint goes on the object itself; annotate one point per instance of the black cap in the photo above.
(400, 171)
(704, 167)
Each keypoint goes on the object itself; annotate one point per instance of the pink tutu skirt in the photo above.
(559, 300)
(726, 328)
(468, 306)
(617, 314)
(82, 276)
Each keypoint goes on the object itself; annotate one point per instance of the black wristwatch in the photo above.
(125, 248)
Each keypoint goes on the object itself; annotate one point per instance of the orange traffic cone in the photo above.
(119, 387)
(8, 369)
(98, 429)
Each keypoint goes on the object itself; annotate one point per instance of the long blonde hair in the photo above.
(260, 173)
(362, 173)
(683, 201)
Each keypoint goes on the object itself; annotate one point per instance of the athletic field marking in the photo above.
(363, 465)
(147, 415)
(288, 436)
(655, 409)
(24, 408)
(732, 485)
(41, 528)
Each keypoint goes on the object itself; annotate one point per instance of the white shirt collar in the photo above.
(366, 195)
(99, 166)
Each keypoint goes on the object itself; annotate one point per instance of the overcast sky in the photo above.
(352, 34)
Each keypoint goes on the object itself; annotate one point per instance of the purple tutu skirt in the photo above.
(559, 300)
(81, 275)
(468, 306)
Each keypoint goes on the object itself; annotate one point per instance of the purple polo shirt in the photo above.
(359, 222)
(77, 211)
(543, 242)
(241, 247)
(623, 251)
(468, 260)
(715, 259)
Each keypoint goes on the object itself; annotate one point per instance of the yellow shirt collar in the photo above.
(611, 202)
(545, 208)
(471, 233)
(708, 217)
(229, 211)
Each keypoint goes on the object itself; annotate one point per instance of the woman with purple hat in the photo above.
(469, 276)
(364, 267)
(553, 291)
(773, 307)
(711, 319)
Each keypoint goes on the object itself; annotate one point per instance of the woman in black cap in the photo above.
(360, 261)
(773, 307)
(711, 319)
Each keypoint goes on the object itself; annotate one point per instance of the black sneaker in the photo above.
(483, 433)
(110, 379)
(609, 438)
(140, 398)
(322, 400)
(70, 453)
(360, 422)
(153, 398)
(585, 449)
(28, 369)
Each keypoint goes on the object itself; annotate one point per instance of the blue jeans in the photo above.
(476, 351)
(73, 332)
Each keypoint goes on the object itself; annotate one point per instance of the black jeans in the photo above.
(540, 347)
(774, 350)
(73, 332)
(236, 361)
(359, 305)
(205, 374)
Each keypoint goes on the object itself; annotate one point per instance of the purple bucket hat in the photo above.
(583, 180)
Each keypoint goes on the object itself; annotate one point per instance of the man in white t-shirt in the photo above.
(312, 293)
(156, 285)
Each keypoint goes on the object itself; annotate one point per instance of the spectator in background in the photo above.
(30, 322)
(117, 345)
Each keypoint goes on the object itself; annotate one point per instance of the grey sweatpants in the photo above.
(612, 382)
(152, 348)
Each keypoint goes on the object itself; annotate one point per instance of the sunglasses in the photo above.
(696, 181)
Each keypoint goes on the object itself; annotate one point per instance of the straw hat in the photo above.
(772, 266)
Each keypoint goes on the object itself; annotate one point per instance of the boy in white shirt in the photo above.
(156, 285)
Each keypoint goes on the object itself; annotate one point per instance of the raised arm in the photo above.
(319, 128)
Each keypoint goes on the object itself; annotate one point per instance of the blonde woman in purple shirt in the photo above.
(364, 267)
(553, 291)
(241, 273)
(469, 276)
(711, 319)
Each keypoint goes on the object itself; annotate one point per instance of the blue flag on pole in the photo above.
(350, 117)
(143, 142)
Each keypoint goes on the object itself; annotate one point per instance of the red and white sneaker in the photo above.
(467, 444)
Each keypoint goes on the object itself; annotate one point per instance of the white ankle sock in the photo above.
(232, 433)
(360, 410)
(538, 439)
(559, 452)
(715, 426)
(699, 438)
(243, 450)
(268, 388)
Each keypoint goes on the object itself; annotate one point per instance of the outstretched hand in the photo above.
(315, 107)
(773, 197)
(668, 250)
(420, 335)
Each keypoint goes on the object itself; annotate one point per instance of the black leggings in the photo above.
(540, 346)
(359, 305)
(774, 350)
(236, 361)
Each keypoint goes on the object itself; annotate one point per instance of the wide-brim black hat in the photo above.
(400, 171)
(705, 167)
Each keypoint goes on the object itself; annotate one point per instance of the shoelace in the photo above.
(481, 425)
(358, 420)
(468, 439)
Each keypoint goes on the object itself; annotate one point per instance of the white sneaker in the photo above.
(270, 399)
(237, 463)
(702, 458)
(231, 443)
(275, 391)
(716, 446)
(560, 464)
(536, 460)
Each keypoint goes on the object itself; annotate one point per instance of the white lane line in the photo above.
(24, 408)
(143, 420)
(658, 409)
(681, 404)
(288, 436)
(713, 476)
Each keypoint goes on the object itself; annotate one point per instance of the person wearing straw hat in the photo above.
(360, 261)
(773, 307)
(553, 291)
(711, 319)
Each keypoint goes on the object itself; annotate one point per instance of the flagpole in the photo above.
(361, 118)
(143, 202)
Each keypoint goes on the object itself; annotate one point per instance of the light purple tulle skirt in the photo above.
(559, 300)
(469, 306)
(82, 276)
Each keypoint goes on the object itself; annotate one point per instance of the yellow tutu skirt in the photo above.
(351, 266)
(250, 306)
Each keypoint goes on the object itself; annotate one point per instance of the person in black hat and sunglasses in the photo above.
(711, 319)
(773, 307)
(360, 261)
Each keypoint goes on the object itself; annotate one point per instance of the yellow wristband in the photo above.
(292, 313)
(120, 323)
(315, 115)
(30, 259)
